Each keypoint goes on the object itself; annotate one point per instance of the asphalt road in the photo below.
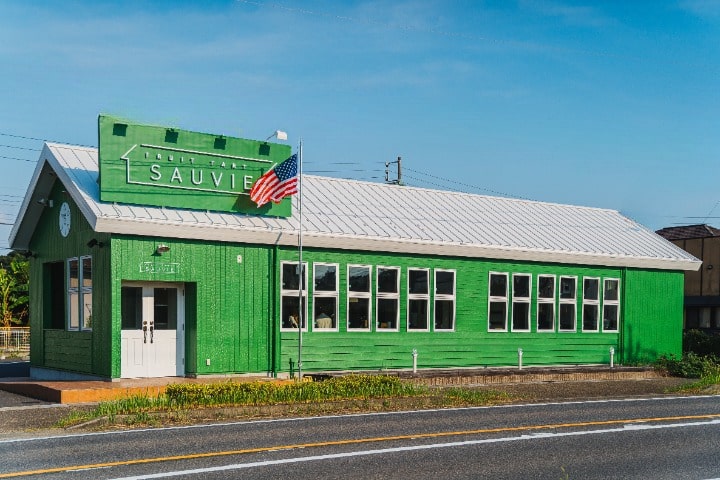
(660, 438)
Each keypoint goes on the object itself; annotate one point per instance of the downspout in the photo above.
(623, 307)
(274, 328)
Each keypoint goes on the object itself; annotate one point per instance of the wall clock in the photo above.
(64, 219)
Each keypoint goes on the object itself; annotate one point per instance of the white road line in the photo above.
(535, 436)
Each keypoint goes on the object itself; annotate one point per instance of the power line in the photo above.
(19, 159)
(455, 182)
(21, 148)
(20, 136)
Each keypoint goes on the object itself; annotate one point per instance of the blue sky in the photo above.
(608, 104)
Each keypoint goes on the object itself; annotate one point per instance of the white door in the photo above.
(152, 340)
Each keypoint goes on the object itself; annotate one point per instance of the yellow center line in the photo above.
(412, 436)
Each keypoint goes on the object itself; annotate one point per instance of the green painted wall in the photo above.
(649, 322)
(77, 351)
(228, 302)
(653, 304)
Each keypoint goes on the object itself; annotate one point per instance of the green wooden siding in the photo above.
(653, 304)
(227, 297)
(82, 352)
(652, 315)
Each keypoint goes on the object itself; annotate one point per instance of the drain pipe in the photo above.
(520, 354)
(414, 355)
(612, 357)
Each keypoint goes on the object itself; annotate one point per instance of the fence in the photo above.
(14, 340)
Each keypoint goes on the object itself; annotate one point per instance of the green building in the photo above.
(148, 259)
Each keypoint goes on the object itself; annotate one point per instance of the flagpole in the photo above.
(301, 272)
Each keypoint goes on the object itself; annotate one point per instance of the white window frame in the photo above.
(568, 301)
(387, 296)
(419, 297)
(445, 297)
(360, 295)
(610, 303)
(591, 301)
(296, 294)
(523, 300)
(497, 299)
(318, 294)
(546, 301)
(79, 292)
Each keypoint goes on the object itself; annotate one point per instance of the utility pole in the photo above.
(397, 181)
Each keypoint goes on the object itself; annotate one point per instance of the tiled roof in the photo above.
(687, 232)
(349, 214)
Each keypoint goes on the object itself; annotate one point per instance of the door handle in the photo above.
(152, 330)
(144, 333)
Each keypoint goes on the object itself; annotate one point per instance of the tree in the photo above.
(14, 280)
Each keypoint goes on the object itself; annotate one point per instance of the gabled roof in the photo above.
(349, 214)
(687, 232)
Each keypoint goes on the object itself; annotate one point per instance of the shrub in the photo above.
(691, 365)
(701, 343)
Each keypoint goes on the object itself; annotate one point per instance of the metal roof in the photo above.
(688, 232)
(350, 214)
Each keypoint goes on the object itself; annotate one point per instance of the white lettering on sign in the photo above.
(160, 268)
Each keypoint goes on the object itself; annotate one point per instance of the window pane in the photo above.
(131, 308)
(87, 272)
(165, 308)
(546, 314)
(358, 312)
(498, 285)
(567, 287)
(521, 316)
(444, 283)
(590, 317)
(325, 312)
(418, 281)
(87, 309)
(418, 315)
(325, 278)
(387, 313)
(73, 271)
(444, 315)
(567, 316)
(610, 317)
(546, 287)
(591, 287)
(497, 316)
(290, 277)
(289, 311)
(74, 312)
(359, 279)
(521, 286)
(611, 290)
(387, 280)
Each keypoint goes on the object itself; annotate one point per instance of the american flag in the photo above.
(276, 184)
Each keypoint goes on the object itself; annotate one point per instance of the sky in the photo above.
(611, 104)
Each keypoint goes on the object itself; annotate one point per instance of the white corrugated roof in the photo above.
(349, 214)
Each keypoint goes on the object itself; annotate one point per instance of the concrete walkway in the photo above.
(72, 392)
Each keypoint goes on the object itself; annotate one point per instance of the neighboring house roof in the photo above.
(349, 214)
(686, 232)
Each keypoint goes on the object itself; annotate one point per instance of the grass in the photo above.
(341, 394)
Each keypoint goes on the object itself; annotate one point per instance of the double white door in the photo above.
(152, 339)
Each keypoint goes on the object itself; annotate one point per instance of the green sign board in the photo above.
(168, 167)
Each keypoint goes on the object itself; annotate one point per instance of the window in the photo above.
(444, 300)
(79, 293)
(521, 302)
(359, 292)
(290, 294)
(591, 305)
(568, 293)
(418, 309)
(388, 298)
(546, 303)
(497, 308)
(325, 296)
(611, 305)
